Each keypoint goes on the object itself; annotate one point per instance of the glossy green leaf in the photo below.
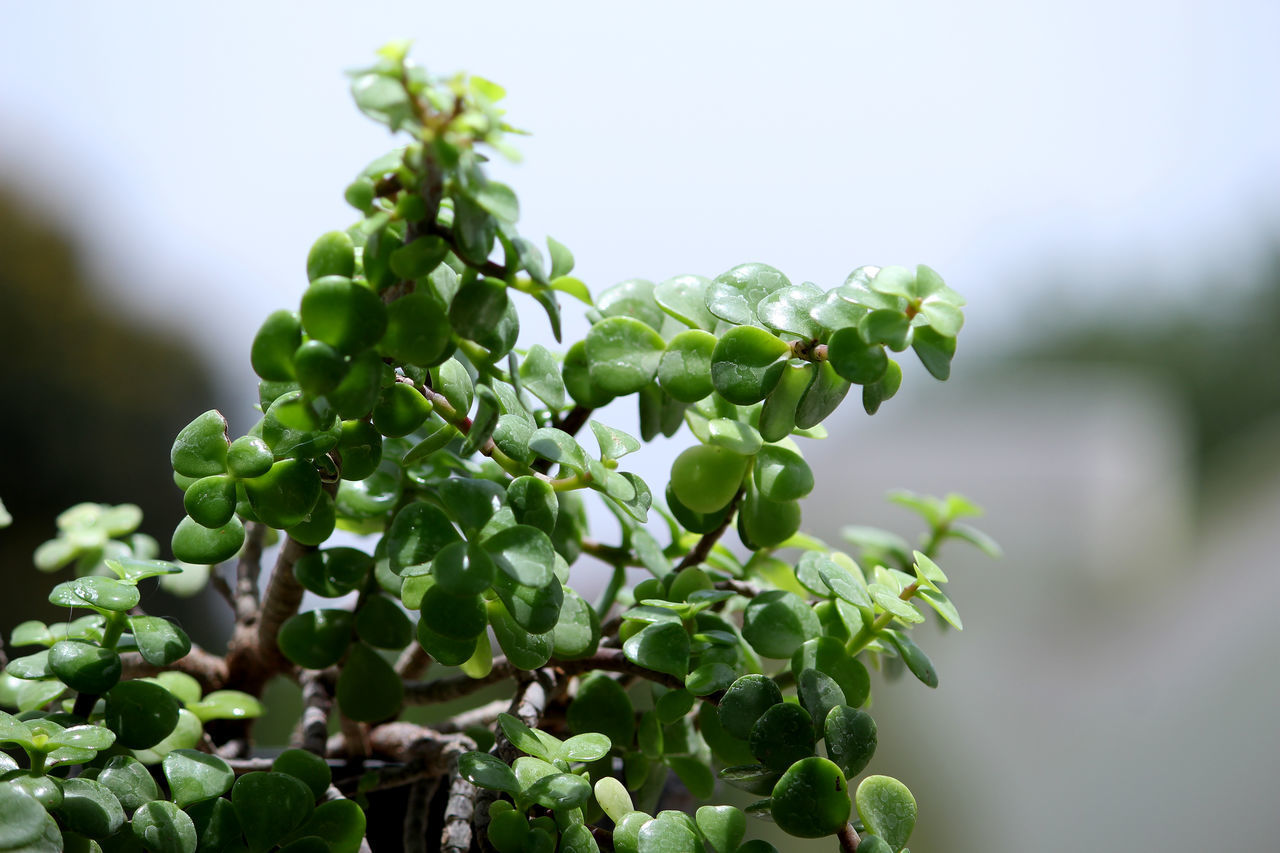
(90, 809)
(745, 701)
(887, 809)
(747, 363)
(527, 740)
(85, 667)
(195, 776)
(340, 823)
(777, 622)
(488, 771)
(818, 693)
(734, 295)
(822, 397)
(811, 800)
(456, 617)
(101, 593)
(705, 478)
(763, 523)
(417, 534)
(292, 426)
(331, 254)
(316, 639)
(668, 834)
(914, 657)
(333, 572)
(875, 394)
(560, 791)
(623, 354)
(626, 835)
(31, 666)
(140, 713)
(783, 735)
(211, 501)
(789, 309)
(722, 827)
(446, 650)
(709, 678)
(284, 496)
(164, 828)
(934, 350)
(782, 474)
(855, 360)
(269, 807)
(25, 819)
(851, 739)
(160, 641)
(684, 297)
(225, 705)
(684, 370)
(130, 782)
(200, 450)
(508, 830)
(478, 308)
(540, 376)
(525, 649)
(344, 314)
(418, 330)
(577, 631)
(523, 553)
(585, 747)
(558, 446)
(778, 414)
(311, 769)
(661, 647)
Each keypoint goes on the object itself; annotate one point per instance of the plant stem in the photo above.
(866, 634)
(611, 590)
(708, 541)
(848, 838)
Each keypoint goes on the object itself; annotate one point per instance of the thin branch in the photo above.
(848, 839)
(481, 716)
(223, 589)
(489, 268)
(575, 419)
(205, 667)
(708, 541)
(281, 601)
(413, 662)
(528, 705)
(608, 660)
(458, 813)
(317, 703)
(746, 590)
(248, 570)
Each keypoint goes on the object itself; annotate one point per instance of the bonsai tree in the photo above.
(398, 410)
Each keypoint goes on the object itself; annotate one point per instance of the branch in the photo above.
(205, 667)
(708, 541)
(417, 814)
(248, 569)
(282, 599)
(574, 420)
(848, 839)
(489, 268)
(317, 703)
(413, 662)
(608, 660)
(458, 813)
(741, 588)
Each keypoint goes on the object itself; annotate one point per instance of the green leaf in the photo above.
(332, 254)
(818, 693)
(705, 478)
(694, 773)
(734, 295)
(684, 297)
(25, 820)
(632, 298)
(661, 647)
(811, 800)
(417, 534)
(316, 639)
(418, 330)
(623, 354)
(778, 414)
(488, 771)
(344, 314)
(561, 258)
(887, 809)
(935, 351)
(534, 502)
(269, 807)
(776, 623)
(744, 703)
(747, 363)
(140, 713)
(195, 776)
(540, 375)
(341, 823)
(875, 394)
(899, 281)
(782, 474)
(211, 500)
(975, 537)
(524, 553)
(225, 705)
(130, 782)
(577, 631)
(132, 571)
(558, 446)
(603, 706)
(194, 543)
(446, 650)
(668, 833)
(915, 658)
(309, 768)
(216, 824)
(561, 791)
(790, 310)
(851, 739)
(89, 808)
(381, 623)
(162, 827)
(368, 687)
(527, 740)
(200, 450)
(685, 368)
(709, 678)
(585, 747)
(100, 593)
(783, 735)
(822, 397)
(525, 649)
(614, 443)
(722, 827)
(478, 308)
(84, 667)
(160, 641)
(382, 98)
(30, 666)
(855, 360)
(734, 435)
(333, 572)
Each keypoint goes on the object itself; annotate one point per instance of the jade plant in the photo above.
(426, 479)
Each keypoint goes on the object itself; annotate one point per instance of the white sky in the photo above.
(201, 150)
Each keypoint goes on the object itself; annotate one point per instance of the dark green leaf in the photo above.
(747, 363)
(661, 647)
(623, 354)
(734, 295)
(140, 713)
(269, 807)
(811, 800)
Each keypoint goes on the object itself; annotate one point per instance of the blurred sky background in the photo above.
(1101, 180)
